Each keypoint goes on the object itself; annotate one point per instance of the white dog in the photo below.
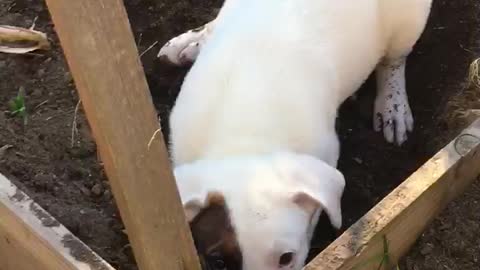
(254, 124)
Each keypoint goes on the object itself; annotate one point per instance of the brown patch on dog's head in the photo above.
(215, 237)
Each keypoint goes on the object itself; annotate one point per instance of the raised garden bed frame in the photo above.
(103, 58)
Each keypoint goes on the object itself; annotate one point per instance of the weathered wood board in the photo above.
(102, 55)
(31, 239)
(388, 231)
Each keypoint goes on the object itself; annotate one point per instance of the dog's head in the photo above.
(258, 213)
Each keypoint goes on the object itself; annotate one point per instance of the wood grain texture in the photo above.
(101, 53)
(31, 239)
(403, 215)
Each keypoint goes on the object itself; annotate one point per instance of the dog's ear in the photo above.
(192, 184)
(198, 203)
(317, 184)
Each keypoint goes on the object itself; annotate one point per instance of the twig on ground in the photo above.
(33, 23)
(149, 48)
(465, 49)
(4, 148)
(139, 39)
(74, 124)
(39, 105)
(61, 113)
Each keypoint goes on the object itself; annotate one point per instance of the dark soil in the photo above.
(64, 176)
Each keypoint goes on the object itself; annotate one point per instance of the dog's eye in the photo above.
(286, 259)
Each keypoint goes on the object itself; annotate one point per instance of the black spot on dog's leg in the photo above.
(395, 107)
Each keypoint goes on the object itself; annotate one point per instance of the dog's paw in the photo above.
(394, 116)
(183, 49)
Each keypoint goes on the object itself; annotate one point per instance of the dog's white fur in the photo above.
(255, 118)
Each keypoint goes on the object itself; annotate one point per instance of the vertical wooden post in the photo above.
(101, 52)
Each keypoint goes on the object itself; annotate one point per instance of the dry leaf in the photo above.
(19, 40)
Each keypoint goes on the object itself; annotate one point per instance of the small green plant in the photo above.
(383, 259)
(17, 106)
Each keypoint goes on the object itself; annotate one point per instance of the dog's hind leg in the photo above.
(184, 49)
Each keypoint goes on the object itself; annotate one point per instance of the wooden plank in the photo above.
(32, 239)
(393, 225)
(101, 53)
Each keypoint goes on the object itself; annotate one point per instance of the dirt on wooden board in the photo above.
(53, 158)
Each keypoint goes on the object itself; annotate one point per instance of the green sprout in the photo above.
(17, 106)
(383, 259)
